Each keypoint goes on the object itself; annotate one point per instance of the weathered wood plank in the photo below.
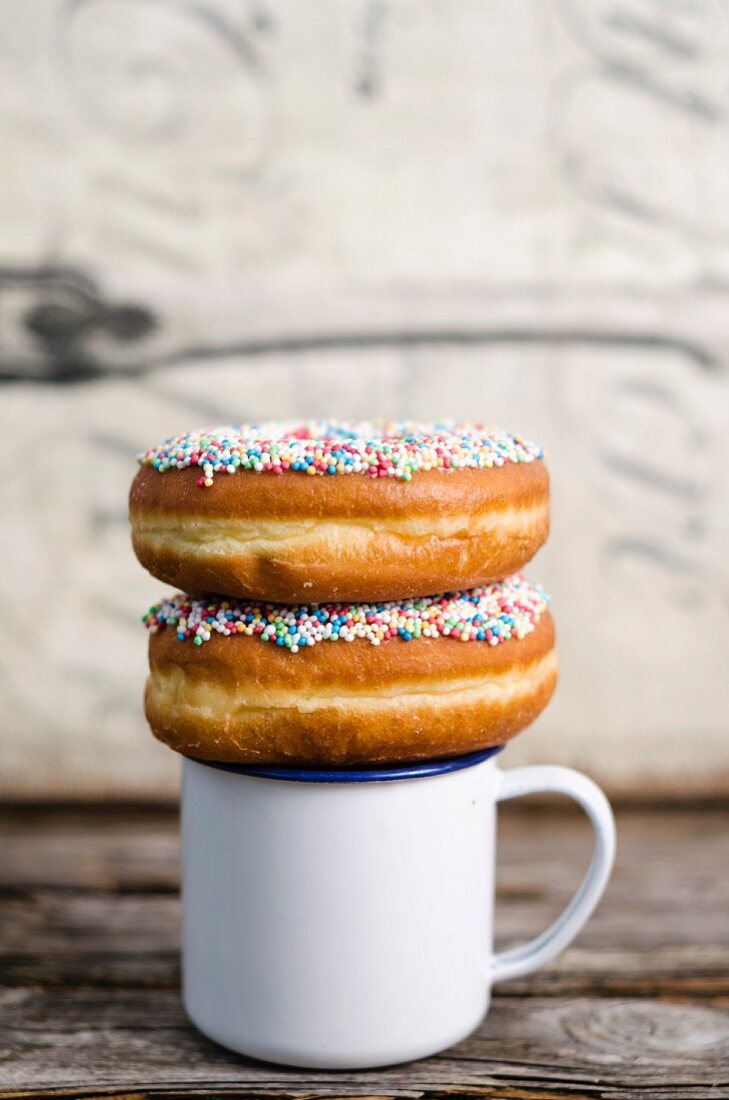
(638, 1007)
(139, 1039)
(59, 938)
(123, 850)
(93, 900)
(49, 861)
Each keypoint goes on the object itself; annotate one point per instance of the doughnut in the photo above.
(319, 511)
(346, 684)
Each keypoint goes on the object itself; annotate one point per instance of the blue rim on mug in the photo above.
(419, 770)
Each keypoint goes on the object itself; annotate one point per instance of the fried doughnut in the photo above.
(410, 509)
(340, 685)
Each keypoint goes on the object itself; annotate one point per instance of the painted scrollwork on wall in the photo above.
(61, 328)
(639, 126)
(216, 209)
(148, 73)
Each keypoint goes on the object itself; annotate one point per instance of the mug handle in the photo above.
(542, 779)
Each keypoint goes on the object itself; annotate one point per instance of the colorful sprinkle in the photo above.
(396, 449)
(492, 614)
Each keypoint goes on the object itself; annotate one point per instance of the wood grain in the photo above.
(638, 1007)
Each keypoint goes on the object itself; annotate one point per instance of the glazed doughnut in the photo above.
(331, 511)
(340, 684)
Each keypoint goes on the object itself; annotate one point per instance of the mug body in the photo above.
(338, 922)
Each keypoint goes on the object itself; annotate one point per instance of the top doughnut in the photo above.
(328, 510)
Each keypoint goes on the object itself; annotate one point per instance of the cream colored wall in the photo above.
(512, 211)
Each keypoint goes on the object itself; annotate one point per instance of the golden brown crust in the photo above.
(358, 665)
(239, 700)
(249, 495)
(388, 567)
(292, 538)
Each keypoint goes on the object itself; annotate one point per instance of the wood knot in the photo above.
(648, 1031)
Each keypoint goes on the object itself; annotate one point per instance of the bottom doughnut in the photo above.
(452, 689)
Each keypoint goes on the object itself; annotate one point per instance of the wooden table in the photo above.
(638, 1007)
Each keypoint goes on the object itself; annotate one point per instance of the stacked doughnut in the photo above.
(309, 553)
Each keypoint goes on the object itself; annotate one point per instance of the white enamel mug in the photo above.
(342, 920)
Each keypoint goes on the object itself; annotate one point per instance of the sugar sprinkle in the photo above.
(493, 614)
(395, 449)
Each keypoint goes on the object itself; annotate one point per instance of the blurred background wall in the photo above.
(514, 211)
